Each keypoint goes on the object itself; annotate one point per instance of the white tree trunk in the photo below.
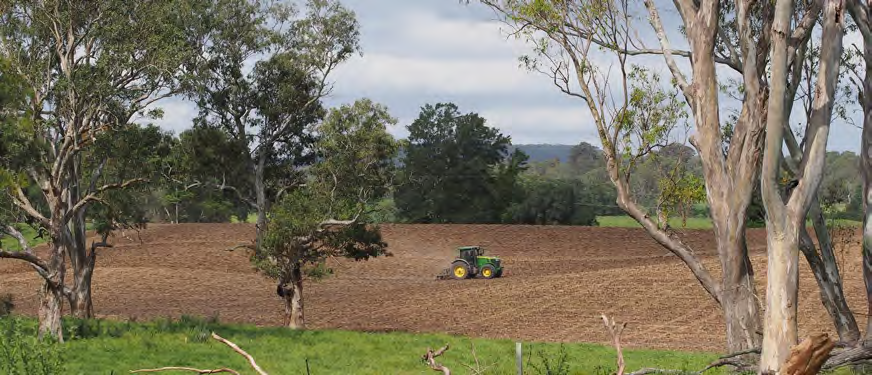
(779, 329)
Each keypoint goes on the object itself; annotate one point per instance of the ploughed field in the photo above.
(557, 282)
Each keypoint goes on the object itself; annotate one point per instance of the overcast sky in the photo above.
(427, 51)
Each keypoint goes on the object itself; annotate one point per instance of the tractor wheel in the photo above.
(500, 273)
(488, 271)
(459, 270)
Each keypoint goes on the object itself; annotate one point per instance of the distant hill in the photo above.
(542, 152)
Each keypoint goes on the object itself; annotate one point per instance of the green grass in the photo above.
(252, 218)
(103, 347)
(628, 222)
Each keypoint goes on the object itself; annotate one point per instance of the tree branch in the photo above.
(664, 43)
(224, 186)
(20, 200)
(26, 254)
(94, 196)
(241, 352)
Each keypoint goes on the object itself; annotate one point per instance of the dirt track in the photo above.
(557, 282)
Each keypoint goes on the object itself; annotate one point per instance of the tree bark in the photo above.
(740, 304)
(81, 304)
(50, 311)
(779, 330)
(260, 193)
(829, 280)
(293, 298)
(52, 294)
(859, 11)
(784, 220)
(728, 182)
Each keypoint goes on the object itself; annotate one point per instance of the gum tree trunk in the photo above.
(859, 11)
(293, 298)
(828, 277)
(739, 296)
(81, 304)
(866, 163)
(52, 294)
(784, 219)
(50, 311)
(780, 332)
(260, 193)
(83, 263)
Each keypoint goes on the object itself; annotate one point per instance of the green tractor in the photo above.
(470, 262)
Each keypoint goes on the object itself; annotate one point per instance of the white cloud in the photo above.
(467, 37)
(569, 124)
(412, 75)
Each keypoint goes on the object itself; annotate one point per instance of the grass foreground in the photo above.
(107, 347)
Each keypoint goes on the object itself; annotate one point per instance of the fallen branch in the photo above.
(216, 371)
(430, 358)
(848, 357)
(647, 371)
(615, 332)
(241, 352)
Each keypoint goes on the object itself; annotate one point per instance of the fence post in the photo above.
(519, 358)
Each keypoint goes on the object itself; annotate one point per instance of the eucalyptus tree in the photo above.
(326, 218)
(86, 68)
(735, 35)
(270, 109)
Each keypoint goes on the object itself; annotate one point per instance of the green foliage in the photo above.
(132, 151)
(552, 202)
(200, 154)
(456, 169)
(651, 116)
(268, 114)
(21, 353)
(551, 364)
(326, 217)
(383, 211)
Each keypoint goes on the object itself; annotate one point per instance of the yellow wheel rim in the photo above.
(486, 272)
(459, 271)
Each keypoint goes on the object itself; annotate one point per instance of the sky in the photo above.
(418, 52)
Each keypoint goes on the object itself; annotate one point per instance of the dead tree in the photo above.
(615, 332)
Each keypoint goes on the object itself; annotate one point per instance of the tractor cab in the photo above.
(469, 253)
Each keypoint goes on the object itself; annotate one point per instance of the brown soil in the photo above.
(557, 282)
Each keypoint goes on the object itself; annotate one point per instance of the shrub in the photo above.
(21, 353)
(551, 364)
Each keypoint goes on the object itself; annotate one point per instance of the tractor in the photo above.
(470, 262)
